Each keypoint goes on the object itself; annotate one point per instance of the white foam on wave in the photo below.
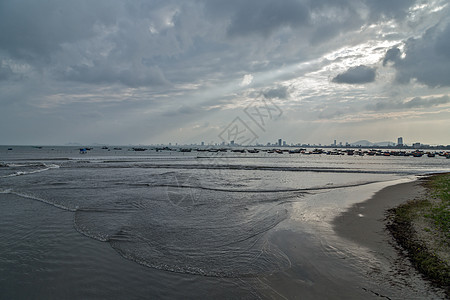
(5, 191)
(19, 173)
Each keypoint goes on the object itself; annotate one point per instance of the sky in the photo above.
(248, 71)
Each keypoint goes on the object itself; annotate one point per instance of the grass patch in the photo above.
(439, 212)
(436, 209)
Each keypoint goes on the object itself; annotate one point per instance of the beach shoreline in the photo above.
(363, 223)
(368, 223)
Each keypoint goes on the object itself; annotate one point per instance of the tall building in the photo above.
(279, 142)
(400, 141)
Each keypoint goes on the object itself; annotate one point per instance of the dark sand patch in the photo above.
(364, 224)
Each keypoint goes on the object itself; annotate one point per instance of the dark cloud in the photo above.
(417, 102)
(356, 75)
(148, 43)
(325, 18)
(101, 42)
(279, 92)
(392, 55)
(426, 59)
(34, 30)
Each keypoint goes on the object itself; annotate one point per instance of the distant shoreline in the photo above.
(215, 146)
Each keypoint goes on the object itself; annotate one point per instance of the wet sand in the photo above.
(364, 223)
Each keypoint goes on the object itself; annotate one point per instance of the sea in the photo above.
(159, 224)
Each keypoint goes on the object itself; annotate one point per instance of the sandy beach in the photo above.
(364, 224)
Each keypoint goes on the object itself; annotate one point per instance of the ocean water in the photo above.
(124, 224)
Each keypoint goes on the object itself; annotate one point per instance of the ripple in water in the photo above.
(191, 230)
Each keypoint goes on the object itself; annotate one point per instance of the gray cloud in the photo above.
(5, 72)
(149, 43)
(356, 75)
(392, 55)
(417, 102)
(33, 31)
(265, 16)
(426, 59)
(183, 111)
(389, 9)
(101, 42)
(330, 114)
(105, 73)
(129, 63)
(280, 92)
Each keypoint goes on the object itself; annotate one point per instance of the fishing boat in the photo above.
(253, 151)
(417, 154)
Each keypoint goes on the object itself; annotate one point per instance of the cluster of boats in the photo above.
(373, 152)
(358, 152)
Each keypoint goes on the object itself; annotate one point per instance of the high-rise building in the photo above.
(279, 142)
(400, 141)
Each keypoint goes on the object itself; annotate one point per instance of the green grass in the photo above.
(439, 212)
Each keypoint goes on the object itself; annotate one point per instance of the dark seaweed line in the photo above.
(258, 191)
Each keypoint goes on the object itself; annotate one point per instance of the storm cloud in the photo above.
(426, 59)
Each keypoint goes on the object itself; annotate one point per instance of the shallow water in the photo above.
(185, 225)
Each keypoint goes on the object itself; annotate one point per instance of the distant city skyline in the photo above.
(276, 143)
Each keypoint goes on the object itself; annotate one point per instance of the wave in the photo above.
(33, 197)
(20, 173)
(286, 190)
(15, 165)
(226, 240)
(250, 167)
(224, 248)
